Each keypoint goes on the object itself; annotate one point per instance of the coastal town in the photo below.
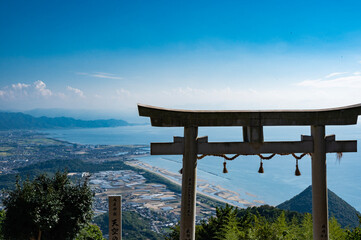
(152, 200)
(155, 200)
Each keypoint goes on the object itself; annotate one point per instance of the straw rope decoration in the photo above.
(260, 170)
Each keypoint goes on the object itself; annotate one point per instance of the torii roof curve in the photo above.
(163, 117)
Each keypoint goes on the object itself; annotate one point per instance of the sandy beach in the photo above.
(203, 187)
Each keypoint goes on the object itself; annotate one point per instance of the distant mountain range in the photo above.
(345, 214)
(84, 114)
(10, 120)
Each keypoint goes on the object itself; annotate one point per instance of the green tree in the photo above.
(225, 225)
(306, 227)
(229, 230)
(336, 232)
(262, 229)
(2, 217)
(229, 224)
(90, 232)
(281, 227)
(354, 234)
(49, 208)
(294, 229)
(174, 234)
(210, 230)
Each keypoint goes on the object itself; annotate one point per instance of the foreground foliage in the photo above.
(90, 232)
(49, 208)
(134, 226)
(354, 234)
(233, 224)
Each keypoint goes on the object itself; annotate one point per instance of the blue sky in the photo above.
(185, 54)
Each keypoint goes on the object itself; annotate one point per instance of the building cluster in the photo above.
(152, 201)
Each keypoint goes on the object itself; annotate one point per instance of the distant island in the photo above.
(13, 121)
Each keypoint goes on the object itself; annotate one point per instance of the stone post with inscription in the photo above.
(115, 217)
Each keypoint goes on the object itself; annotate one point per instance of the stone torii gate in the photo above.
(252, 122)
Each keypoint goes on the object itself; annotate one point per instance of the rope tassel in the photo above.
(339, 156)
(297, 172)
(260, 170)
(225, 167)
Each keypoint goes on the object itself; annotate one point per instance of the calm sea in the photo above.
(276, 185)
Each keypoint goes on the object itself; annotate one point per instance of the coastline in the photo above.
(205, 189)
(278, 184)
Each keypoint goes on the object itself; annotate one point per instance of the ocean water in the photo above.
(276, 185)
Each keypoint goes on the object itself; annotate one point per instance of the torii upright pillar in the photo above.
(189, 183)
(319, 184)
(252, 122)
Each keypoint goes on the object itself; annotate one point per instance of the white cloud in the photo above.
(38, 95)
(76, 91)
(335, 74)
(352, 81)
(20, 86)
(22, 91)
(122, 92)
(329, 91)
(100, 75)
(61, 95)
(322, 93)
(40, 87)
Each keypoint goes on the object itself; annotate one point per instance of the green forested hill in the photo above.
(270, 213)
(9, 121)
(345, 214)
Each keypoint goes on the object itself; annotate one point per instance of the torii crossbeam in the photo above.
(252, 123)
